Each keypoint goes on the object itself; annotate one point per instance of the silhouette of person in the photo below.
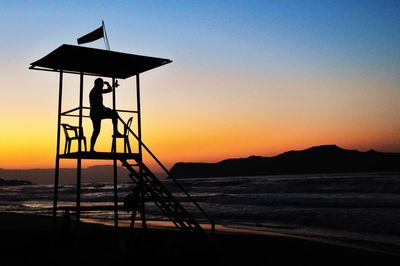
(133, 202)
(98, 111)
(65, 232)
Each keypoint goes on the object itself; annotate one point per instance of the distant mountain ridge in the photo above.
(98, 173)
(13, 182)
(318, 159)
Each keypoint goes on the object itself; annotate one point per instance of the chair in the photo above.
(124, 136)
(72, 133)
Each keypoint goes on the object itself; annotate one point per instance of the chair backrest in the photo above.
(70, 131)
(127, 126)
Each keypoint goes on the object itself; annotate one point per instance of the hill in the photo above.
(13, 182)
(99, 173)
(318, 159)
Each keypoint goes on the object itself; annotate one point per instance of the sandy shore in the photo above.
(29, 239)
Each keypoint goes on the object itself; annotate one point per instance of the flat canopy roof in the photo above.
(90, 61)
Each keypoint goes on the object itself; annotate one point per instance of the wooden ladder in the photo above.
(158, 193)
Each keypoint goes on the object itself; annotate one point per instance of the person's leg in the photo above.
(108, 113)
(96, 130)
(115, 124)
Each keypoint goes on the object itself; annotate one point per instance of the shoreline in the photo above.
(367, 245)
(32, 238)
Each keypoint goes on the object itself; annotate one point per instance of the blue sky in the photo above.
(354, 29)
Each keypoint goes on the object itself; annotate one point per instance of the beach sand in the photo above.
(32, 240)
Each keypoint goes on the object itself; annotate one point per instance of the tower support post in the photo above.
(57, 168)
(79, 160)
(140, 163)
(115, 172)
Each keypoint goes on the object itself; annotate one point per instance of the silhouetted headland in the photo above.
(13, 182)
(319, 159)
(98, 173)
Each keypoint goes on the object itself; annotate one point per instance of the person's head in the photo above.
(99, 82)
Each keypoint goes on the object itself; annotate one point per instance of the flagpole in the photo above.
(105, 36)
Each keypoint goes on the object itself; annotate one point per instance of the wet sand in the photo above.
(29, 239)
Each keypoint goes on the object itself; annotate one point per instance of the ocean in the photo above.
(348, 207)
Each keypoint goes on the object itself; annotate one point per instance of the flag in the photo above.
(92, 36)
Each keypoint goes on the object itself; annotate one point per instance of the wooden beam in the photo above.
(57, 172)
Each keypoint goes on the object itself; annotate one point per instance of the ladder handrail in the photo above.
(172, 177)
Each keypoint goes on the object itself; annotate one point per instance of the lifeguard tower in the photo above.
(84, 61)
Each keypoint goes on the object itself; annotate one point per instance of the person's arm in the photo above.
(109, 88)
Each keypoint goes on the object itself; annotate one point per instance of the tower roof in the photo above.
(91, 61)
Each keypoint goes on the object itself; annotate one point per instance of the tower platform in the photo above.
(100, 156)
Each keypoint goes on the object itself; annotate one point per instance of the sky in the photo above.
(247, 77)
